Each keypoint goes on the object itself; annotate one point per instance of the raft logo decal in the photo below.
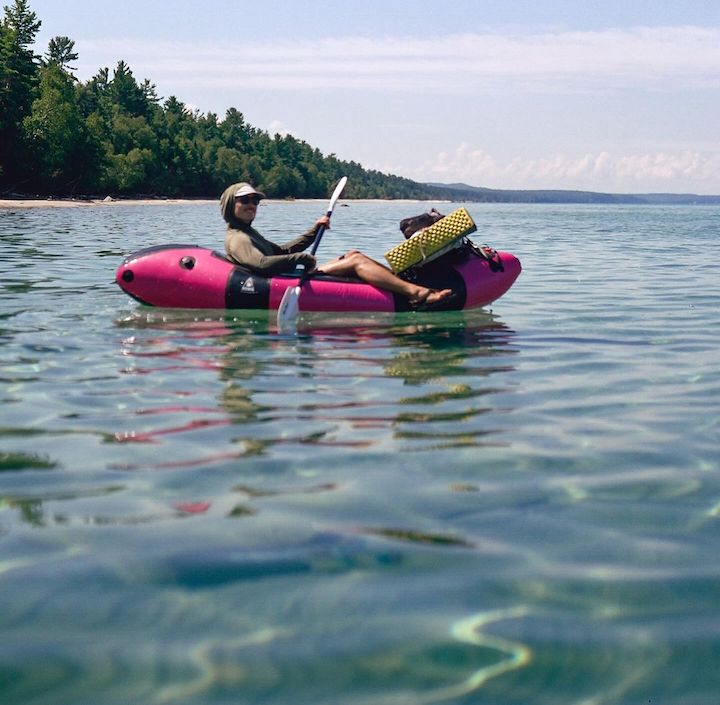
(248, 286)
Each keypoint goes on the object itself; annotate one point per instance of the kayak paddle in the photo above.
(290, 304)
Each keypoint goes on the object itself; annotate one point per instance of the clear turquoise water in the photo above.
(515, 505)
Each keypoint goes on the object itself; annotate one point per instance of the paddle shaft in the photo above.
(319, 235)
(333, 200)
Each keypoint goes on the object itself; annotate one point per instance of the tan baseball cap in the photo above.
(245, 189)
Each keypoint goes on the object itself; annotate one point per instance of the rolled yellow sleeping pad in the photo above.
(431, 242)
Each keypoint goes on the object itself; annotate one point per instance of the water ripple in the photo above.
(514, 505)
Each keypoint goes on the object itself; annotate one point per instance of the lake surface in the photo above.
(515, 505)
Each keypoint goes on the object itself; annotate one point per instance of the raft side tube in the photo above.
(486, 284)
(184, 276)
(190, 276)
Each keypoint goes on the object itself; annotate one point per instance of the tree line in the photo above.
(114, 135)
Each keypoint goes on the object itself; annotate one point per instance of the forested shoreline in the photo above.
(113, 135)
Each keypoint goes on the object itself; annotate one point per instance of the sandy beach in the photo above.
(20, 203)
(80, 203)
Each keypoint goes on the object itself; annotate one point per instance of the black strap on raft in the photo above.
(489, 254)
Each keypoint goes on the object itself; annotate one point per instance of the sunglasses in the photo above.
(248, 199)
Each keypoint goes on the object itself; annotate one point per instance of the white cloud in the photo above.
(392, 83)
(593, 171)
(278, 127)
(453, 62)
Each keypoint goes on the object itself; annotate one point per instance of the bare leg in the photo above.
(372, 272)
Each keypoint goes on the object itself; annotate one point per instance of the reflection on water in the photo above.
(423, 380)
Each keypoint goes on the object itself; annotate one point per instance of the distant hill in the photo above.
(464, 192)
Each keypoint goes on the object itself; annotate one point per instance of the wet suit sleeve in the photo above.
(241, 249)
(301, 242)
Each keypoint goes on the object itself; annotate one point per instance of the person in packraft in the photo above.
(246, 246)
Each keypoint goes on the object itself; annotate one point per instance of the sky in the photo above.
(613, 96)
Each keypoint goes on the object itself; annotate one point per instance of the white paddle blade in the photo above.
(336, 193)
(289, 308)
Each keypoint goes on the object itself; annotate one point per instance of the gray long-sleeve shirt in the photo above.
(248, 247)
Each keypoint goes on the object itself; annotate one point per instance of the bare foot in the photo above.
(434, 296)
(428, 297)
